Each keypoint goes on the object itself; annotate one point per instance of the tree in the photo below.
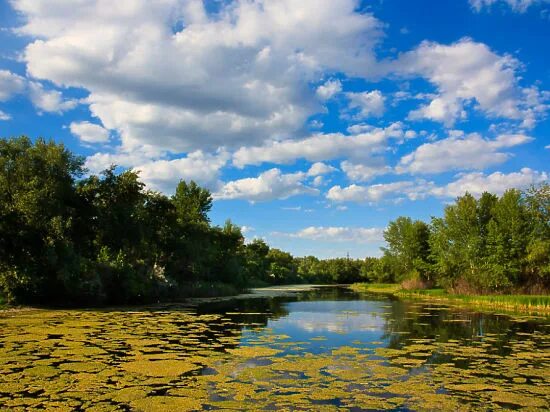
(257, 262)
(408, 242)
(192, 203)
(457, 242)
(37, 212)
(507, 240)
(281, 268)
(537, 270)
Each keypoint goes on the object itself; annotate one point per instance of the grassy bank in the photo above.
(511, 303)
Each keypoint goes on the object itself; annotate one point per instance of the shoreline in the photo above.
(518, 304)
(185, 302)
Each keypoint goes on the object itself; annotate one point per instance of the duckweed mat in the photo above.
(425, 358)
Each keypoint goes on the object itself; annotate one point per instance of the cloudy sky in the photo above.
(313, 122)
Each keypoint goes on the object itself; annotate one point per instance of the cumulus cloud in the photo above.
(373, 193)
(464, 73)
(173, 74)
(10, 84)
(329, 89)
(338, 234)
(475, 183)
(89, 132)
(269, 185)
(50, 101)
(497, 182)
(247, 229)
(4, 116)
(127, 159)
(519, 6)
(365, 172)
(164, 175)
(363, 142)
(318, 181)
(460, 152)
(320, 168)
(366, 104)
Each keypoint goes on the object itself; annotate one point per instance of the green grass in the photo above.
(512, 303)
(389, 288)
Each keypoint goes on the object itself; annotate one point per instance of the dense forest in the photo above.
(487, 245)
(71, 238)
(76, 239)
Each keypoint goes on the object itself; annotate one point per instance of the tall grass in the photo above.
(389, 288)
(512, 303)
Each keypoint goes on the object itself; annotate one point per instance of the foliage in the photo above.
(106, 239)
(487, 245)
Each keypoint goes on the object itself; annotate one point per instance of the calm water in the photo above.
(322, 349)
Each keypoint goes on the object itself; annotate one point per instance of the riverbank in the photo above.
(539, 304)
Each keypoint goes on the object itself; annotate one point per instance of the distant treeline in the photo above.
(76, 239)
(487, 245)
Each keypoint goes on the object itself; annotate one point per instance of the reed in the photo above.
(511, 303)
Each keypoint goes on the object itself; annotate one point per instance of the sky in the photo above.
(313, 123)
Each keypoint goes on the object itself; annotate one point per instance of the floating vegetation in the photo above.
(182, 360)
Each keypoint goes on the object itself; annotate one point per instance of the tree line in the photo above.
(488, 245)
(76, 239)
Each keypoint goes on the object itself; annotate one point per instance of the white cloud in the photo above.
(519, 6)
(247, 69)
(365, 172)
(164, 175)
(465, 73)
(498, 183)
(89, 132)
(459, 152)
(269, 185)
(366, 104)
(364, 141)
(247, 229)
(318, 181)
(329, 89)
(320, 168)
(10, 84)
(475, 183)
(4, 116)
(101, 160)
(373, 193)
(49, 100)
(441, 109)
(338, 234)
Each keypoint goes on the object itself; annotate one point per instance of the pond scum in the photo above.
(176, 360)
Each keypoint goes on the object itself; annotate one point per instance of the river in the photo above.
(289, 348)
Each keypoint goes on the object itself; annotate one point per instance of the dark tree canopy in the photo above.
(71, 239)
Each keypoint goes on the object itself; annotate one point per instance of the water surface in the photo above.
(322, 349)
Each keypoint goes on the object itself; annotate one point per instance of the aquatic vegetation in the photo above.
(511, 303)
(180, 360)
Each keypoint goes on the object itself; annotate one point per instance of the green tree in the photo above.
(408, 242)
(192, 202)
(38, 207)
(507, 240)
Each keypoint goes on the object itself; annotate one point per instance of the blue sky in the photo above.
(313, 123)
